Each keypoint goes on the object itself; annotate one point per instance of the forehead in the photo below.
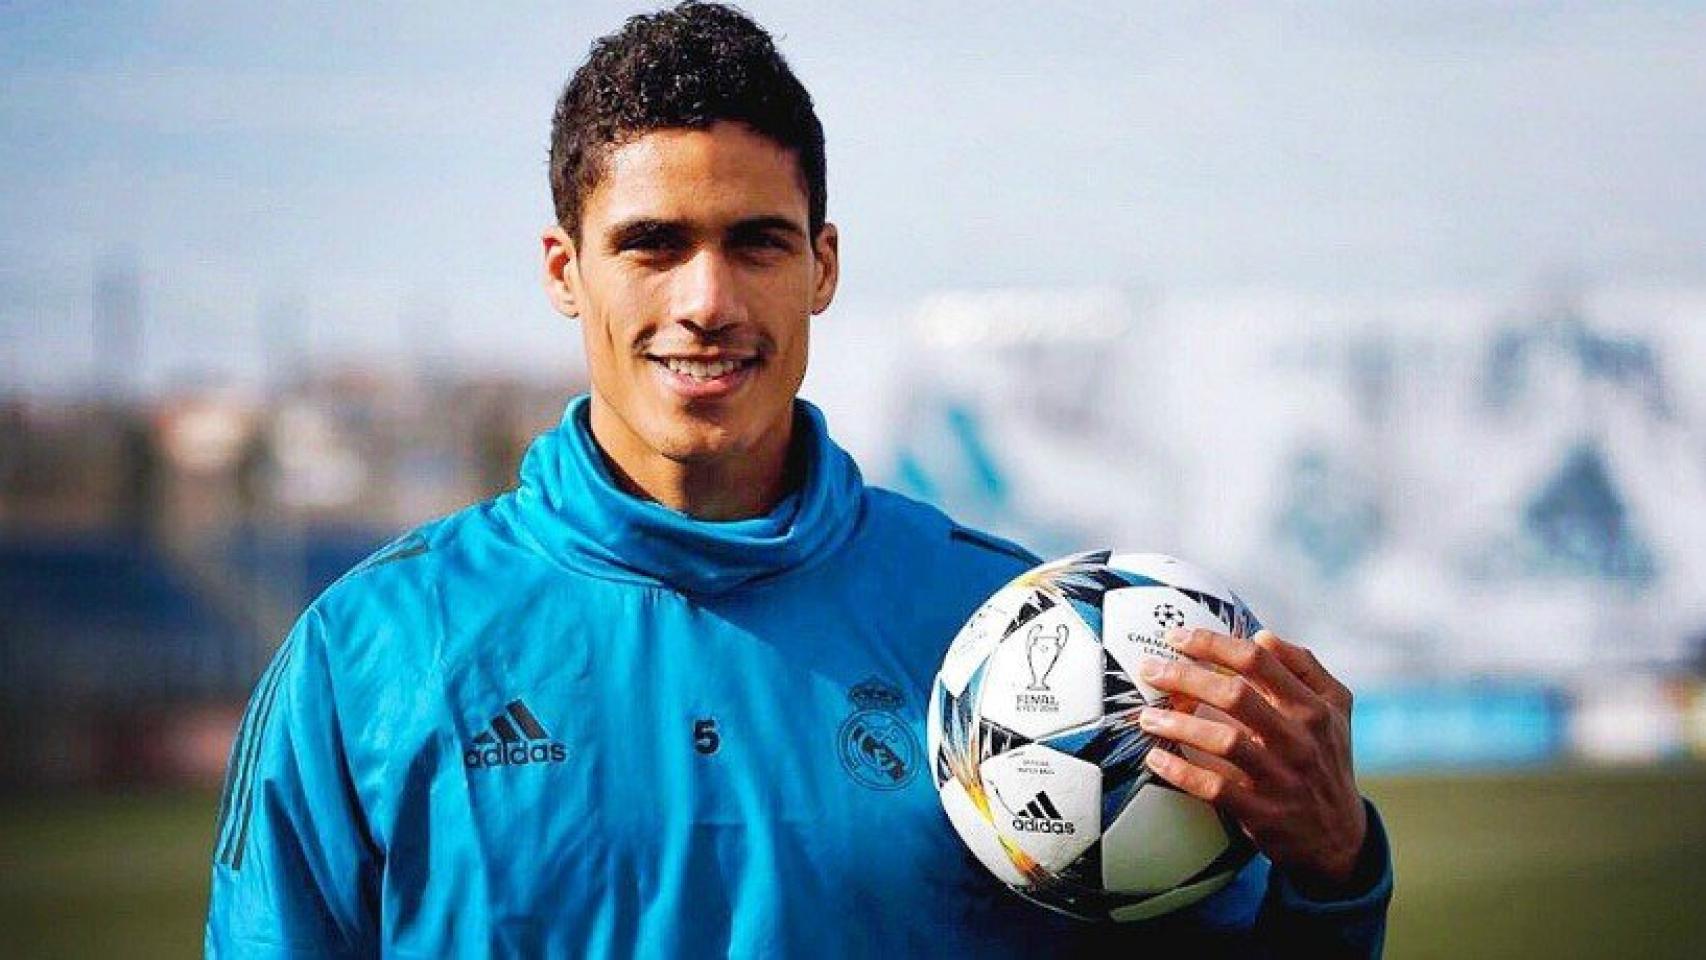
(722, 173)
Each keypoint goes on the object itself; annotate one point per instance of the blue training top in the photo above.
(568, 722)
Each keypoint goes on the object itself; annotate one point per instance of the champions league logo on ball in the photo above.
(877, 748)
(1167, 615)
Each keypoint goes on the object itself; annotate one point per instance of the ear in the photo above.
(826, 248)
(561, 273)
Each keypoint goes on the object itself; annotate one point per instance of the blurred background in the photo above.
(1393, 315)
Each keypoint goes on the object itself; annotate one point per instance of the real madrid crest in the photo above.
(877, 748)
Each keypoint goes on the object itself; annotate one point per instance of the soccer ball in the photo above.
(1035, 747)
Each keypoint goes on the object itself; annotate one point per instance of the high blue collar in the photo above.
(573, 508)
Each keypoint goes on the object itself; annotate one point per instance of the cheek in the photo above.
(610, 366)
(609, 326)
(799, 339)
(621, 301)
(792, 343)
(598, 342)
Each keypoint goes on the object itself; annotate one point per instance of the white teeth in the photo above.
(702, 369)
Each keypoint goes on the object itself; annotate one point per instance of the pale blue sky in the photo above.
(355, 165)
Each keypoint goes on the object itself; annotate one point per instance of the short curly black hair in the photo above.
(688, 66)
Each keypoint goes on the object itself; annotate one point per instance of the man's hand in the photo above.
(1276, 755)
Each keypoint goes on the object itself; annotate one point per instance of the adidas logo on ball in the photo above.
(1040, 816)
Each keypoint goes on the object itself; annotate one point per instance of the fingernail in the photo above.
(1150, 668)
(1146, 718)
(1176, 635)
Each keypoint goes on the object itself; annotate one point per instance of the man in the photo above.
(607, 713)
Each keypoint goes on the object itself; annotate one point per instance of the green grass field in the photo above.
(1566, 864)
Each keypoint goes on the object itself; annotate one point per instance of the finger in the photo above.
(1207, 785)
(1210, 713)
(1214, 739)
(1297, 659)
(1228, 693)
(1255, 663)
(1211, 762)
(1302, 662)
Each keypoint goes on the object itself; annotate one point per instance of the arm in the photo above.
(1348, 920)
(1272, 749)
(295, 873)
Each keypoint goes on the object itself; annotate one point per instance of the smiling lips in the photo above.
(704, 378)
(701, 369)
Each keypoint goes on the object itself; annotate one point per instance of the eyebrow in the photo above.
(767, 223)
(628, 231)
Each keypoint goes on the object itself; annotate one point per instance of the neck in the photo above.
(738, 486)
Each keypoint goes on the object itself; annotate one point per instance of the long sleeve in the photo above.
(294, 870)
(1293, 924)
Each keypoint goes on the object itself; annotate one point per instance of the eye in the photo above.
(649, 240)
(764, 242)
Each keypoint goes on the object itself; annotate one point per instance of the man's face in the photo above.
(695, 279)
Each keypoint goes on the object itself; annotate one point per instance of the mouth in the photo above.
(697, 378)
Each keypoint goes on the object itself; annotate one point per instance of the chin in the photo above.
(696, 442)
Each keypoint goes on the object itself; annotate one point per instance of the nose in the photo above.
(706, 292)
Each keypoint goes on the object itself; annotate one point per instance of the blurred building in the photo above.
(154, 550)
(1476, 514)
